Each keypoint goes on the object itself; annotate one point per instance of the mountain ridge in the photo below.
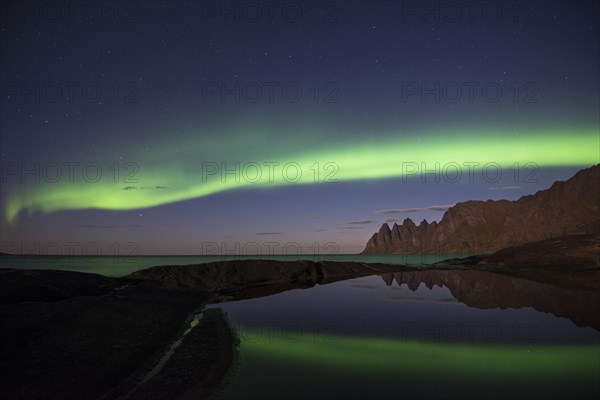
(477, 226)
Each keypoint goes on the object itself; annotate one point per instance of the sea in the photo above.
(116, 266)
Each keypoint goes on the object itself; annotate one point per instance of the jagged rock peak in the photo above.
(567, 208)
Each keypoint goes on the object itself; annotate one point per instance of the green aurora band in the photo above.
(379, 355)
(180, 170)
(278, 359)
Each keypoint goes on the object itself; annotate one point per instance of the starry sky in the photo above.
(181, 126)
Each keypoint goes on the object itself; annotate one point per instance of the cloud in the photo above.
(414, 209)
(268, 233)
(109, 226)
(320, 230)
(315, 217)
(389, 219)
(506, 188)
(361, 222)
(144, 187)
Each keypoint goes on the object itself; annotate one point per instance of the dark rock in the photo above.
(563, 293)
(566, 208)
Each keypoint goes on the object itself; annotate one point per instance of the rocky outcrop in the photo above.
(566, 208)
(235, 276)
(572, 251)
(72, 335)
(501, 289)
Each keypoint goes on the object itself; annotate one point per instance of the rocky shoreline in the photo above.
(74, 335)
(568, 207)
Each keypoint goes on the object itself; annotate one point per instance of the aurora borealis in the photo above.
(311, 199)
(173, 176)
(193, 125)
(407, 366)
(381, 354)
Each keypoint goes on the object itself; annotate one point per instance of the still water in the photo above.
(392, 336)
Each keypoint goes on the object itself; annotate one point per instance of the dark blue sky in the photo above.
(168, 86)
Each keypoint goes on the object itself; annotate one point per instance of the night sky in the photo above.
(181, 125)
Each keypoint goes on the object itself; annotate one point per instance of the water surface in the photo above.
(374, 337)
